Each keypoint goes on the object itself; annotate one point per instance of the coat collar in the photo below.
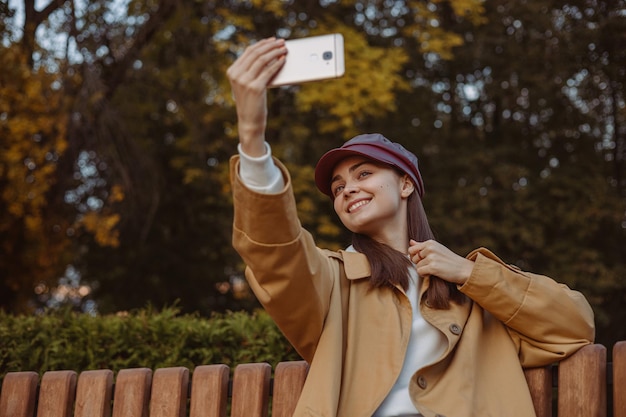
(355, 264)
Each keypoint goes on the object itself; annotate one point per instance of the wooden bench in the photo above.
(581, 382)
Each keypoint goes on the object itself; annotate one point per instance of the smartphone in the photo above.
(311, 59)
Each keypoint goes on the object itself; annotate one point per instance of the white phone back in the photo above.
(311, 59)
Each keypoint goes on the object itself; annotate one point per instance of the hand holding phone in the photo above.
(311, 59)
(249, 76)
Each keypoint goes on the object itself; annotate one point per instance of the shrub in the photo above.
(62, 339)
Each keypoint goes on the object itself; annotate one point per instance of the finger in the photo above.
(244, 61)
(268, 64)
(416, 248)
(423, 272)
(414, 245)
(257, 57)
(271, 69)
(256, 80)
(251, 51)
(417, 257)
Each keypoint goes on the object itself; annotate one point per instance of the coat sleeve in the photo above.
(546, 320)
(290, 276)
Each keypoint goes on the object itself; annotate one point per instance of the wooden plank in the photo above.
(56, 394)
(619, 379)
(169, 392)
(540, 387)
(132, 392)
(93, 394)
(209, 391)
(18, 397)
(582, 383)
(251, 387)
(289, 378)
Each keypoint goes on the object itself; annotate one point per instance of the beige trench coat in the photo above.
(355, 339)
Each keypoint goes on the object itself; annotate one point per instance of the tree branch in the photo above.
(117, 71)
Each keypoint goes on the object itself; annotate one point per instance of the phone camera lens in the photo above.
(328, 55)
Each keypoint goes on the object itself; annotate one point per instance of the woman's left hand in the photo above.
(432, 258)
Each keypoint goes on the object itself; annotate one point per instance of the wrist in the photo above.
(468, 268)
(252, 142)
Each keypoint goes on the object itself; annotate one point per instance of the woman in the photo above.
(397, 324)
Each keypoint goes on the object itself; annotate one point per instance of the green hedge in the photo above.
(59, 340)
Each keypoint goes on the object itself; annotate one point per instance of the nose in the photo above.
(350, 189)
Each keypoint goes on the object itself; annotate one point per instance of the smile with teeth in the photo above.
(357, 205)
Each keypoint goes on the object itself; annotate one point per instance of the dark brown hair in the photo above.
(390, 267)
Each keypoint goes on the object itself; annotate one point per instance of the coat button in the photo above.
(455, 329)
(421, 381)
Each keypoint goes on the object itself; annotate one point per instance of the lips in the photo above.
(357, 204)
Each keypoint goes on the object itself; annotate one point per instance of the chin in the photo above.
(359, 230)
(361, 227)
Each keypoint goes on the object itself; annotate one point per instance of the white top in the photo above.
(426, 343)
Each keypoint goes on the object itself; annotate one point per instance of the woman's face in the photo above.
(370, 197)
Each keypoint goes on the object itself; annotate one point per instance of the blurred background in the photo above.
(117, 123)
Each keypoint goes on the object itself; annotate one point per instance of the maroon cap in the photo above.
(374, 146)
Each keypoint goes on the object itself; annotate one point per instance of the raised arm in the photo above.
(289, 275)
(249, 76)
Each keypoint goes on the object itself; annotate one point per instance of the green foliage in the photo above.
(32, 139)
(62, 339)
(521, 164)
(362, 93)
(515, 110)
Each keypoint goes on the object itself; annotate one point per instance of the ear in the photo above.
(407, 187)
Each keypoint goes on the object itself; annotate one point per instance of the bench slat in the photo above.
(540, 386)
(251, 387)
(169, 392)
(132, 392)
(18, 394)
(582, 383)
(93, 394)
(209, 391)
(288, 381)
(56, 394)
(619, 379)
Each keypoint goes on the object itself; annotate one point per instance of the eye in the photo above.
(338, 189)
(364, 173)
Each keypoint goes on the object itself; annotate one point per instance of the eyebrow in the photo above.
(350, 170)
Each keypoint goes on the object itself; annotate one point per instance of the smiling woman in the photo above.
(396, 324)
(370, 198)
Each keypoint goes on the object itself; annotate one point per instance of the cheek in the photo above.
(336, 205)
